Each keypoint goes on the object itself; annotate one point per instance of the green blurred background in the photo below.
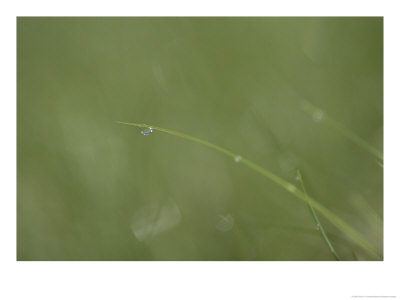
(91, 189)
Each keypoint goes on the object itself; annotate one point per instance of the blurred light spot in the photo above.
(237, 158)
(225, 223)
(151, 221)
(317, 115)
(159, 75)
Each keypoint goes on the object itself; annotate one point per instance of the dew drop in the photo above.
(146, 131)
(237, 158)
(317, 115)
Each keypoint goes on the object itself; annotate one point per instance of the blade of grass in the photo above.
(320, 116)
(316, 219)
(351, 233)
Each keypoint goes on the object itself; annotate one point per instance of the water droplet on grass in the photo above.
(237, 158)
(146, 131)
(317, 115)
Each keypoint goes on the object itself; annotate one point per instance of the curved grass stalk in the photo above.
(320, 116)
(317, 221)
(351, 233)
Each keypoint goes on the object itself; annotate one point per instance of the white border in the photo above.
(197, 280)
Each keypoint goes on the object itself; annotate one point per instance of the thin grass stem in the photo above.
(316, 219)
(351, 233)
(320, 116)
